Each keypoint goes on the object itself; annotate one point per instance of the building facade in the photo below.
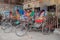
(37, 3)
(30, 4)
(53, 5)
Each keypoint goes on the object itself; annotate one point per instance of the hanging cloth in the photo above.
(32, 13)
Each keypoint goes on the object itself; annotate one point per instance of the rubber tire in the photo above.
(8, 27)
(17, 30)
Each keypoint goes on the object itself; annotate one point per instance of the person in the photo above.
(28, 13)
(17, 14)
(17, 17)
(42, 13)
(41, 18)
(36, 14)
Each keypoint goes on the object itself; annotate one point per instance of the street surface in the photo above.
(29, 36)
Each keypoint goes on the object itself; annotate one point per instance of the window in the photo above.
(52, 8)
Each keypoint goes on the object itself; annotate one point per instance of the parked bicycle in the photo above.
(24, 25)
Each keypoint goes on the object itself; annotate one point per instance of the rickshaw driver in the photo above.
(41, 18)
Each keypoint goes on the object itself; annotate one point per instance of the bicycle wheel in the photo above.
(44, 29)
(6, 27)
(21, 30)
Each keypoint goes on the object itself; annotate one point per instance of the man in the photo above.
(41, 18)
(17, 14)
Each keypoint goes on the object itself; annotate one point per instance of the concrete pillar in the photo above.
(57, 11)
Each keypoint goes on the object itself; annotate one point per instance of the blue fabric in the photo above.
(21, 12)
(7, 13)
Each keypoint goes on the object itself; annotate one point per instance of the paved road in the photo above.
(28, 36)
